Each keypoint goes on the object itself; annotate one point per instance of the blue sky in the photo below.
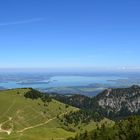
(70, 34)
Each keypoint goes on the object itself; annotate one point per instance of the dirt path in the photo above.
(31, 127)
(3, 130)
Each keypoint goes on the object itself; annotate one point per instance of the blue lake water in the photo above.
(86, 84)
(60, 81)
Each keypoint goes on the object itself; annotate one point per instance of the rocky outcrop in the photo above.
(121, 100)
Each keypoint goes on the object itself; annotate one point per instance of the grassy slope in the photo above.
(27, 119)
(19, 113)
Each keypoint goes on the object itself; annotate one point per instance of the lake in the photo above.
(96, 82)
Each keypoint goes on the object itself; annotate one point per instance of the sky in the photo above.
(70, 34)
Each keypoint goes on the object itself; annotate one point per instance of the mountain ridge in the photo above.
(112, 103)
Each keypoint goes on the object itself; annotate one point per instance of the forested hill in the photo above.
(111, 103)
(127, 129)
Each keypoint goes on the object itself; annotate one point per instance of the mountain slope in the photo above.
(27, 118)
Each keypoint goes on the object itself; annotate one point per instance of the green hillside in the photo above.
(31, 119)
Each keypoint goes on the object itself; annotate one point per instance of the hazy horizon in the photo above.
(71, 70)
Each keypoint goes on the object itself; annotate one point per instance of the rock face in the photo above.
(120, 101)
